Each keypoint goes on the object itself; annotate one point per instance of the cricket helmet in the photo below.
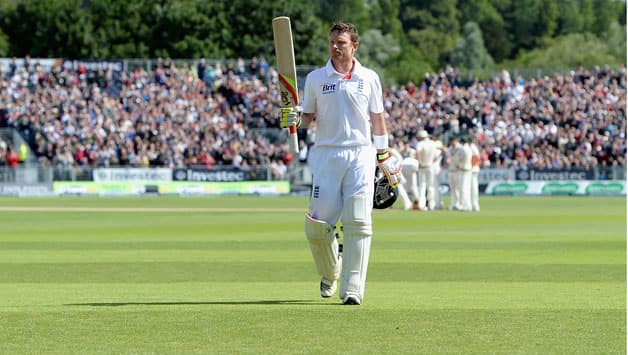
(385, 195)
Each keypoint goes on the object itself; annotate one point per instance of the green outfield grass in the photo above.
(221, 275)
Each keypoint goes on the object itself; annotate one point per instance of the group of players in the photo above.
(421, 167)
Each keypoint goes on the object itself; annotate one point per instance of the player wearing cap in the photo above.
(427, 154)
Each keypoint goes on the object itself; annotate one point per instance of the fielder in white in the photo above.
(436, 169)
(453, 173)
(427, 154)
(410, 172)
(346, 101)
(465, 175)
(475, 173)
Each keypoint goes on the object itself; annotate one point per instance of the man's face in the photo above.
(340, 46)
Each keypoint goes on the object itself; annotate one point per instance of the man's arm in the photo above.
(379, 127)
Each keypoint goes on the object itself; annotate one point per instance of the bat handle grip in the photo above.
(293, 139)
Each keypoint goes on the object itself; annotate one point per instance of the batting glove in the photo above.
(291, 116)
(391, 167)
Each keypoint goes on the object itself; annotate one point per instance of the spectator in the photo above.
(23, 153)
(279, 170)
(12, 159)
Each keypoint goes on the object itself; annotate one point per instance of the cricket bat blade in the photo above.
(284, 52)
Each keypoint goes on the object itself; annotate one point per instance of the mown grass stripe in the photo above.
(257, 329)
(147, 209)
(300, 243)
(238, 271)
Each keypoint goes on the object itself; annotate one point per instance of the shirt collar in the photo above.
(329, 68)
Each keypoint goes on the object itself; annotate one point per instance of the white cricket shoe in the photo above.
(351, 300)
(328, 288)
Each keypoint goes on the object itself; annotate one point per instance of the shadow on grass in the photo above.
(188, 303)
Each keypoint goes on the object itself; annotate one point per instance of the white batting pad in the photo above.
(357, 228)
(324, 247)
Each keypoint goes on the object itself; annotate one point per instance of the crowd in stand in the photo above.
(572, 120)
(224, 114)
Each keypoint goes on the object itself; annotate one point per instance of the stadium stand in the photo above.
(178, 115)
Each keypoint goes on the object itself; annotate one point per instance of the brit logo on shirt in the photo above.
(328, 88)
(361, 86)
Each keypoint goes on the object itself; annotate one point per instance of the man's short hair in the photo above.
(346, 27)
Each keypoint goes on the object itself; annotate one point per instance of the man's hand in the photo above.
(391, 167)
(291, 116)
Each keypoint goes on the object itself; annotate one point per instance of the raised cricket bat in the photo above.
(284, 51)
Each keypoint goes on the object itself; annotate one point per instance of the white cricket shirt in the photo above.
(427, 151)
(465, 163)
(343, 104)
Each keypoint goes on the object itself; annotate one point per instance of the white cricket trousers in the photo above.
(438, 199)
(475, 191)
(337, 174)
(453, 176)
(426, 188)
(465, 190)
(343, 185)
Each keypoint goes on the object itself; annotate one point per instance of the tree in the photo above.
(354, 11)
(187, 29)
(310, 38)
(377, 50)
(615, 38)
(6, 8)
(547, 19)
(430, 43)
(492, 25)
(620, 7)
(419, 14)
(411, 66)
(605, 14)
(122, 28)
(245, 18)
(470, 52)
(588, 16)
(249, 29)
(533, 22)
(47, 28)
(4, 44)
(384, 15)
(569, 19)
(572, 51)
(427, 21)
